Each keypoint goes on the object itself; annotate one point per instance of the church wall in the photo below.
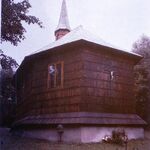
(102, 92)
(96, 134)
(36, 98)
(83, 134)
(87, 83)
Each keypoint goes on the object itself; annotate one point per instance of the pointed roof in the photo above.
(77, 34)
(63, 20)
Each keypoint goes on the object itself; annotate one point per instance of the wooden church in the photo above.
(78, 82)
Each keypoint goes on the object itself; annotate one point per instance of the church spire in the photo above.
(63, 26)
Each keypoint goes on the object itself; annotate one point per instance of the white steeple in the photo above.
(63, 25)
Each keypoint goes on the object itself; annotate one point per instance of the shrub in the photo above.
(118, 137)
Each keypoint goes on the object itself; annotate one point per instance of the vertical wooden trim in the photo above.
(62, 74)
(55, 75)
(48, 77)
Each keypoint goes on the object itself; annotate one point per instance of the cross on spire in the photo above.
(63, 26)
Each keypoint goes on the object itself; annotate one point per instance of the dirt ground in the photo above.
(9, 142)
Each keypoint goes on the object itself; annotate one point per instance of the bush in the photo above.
(118, 137)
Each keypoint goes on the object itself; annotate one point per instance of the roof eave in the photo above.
(83, 42)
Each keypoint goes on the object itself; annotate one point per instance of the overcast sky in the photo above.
(118, 22)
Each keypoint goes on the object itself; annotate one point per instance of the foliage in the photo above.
(7, 62)
(8, 65)
(141, 89)
(118, 137)
(142, 46)
(7, 91)
(12, 16)
(142, 76)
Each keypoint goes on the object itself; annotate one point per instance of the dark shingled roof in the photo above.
(83, 118)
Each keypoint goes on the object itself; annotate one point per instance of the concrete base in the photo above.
(82, 134)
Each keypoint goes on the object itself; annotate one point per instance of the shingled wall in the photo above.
(88, 85)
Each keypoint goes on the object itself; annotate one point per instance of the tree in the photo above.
(7, 91)
(142, 77)
(12, 30)
(141, 89)
(8, 66)
(12, 16)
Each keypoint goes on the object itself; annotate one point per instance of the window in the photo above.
(55, 75)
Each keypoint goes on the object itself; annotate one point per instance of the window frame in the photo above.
(55, 79)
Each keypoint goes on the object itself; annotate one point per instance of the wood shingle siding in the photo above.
(88, 85)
